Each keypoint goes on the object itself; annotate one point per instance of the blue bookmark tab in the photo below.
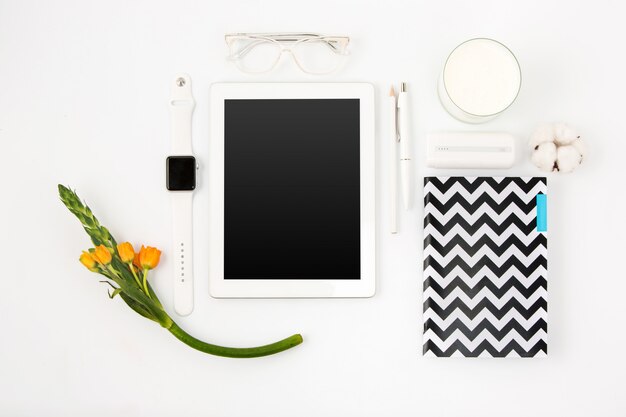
(542, 213)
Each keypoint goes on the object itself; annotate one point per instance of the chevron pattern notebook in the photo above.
(485, 266)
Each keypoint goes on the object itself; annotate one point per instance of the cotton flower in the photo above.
(545, 156)
(563, 134)
(556, 147)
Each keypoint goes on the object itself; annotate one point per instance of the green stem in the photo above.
(113, 271)
(132, 269)
(154, 297)
(145, 282)
(230, 352)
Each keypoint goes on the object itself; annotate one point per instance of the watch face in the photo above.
(181, 173)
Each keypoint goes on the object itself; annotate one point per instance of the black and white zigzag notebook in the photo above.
(485, 266)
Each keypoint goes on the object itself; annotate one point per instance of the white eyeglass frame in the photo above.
(286, 42)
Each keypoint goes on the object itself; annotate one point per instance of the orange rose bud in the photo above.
(126, 252)
(102, 254)
(88, 260)
(149, 257)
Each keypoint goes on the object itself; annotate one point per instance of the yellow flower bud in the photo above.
(126, 252)
(102, 254)
(88, 260)
(149, 257)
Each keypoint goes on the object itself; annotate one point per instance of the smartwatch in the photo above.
(180, 168)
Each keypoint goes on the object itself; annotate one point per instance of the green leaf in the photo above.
(122, 268)
(115, 292)
(137, 307)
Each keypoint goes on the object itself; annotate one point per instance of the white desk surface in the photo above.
(83, 93)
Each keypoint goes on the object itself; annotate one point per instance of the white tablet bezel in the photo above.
(285, 288)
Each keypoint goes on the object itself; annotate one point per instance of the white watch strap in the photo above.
(182, 203)
(181, 108)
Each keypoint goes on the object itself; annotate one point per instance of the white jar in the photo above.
(480, 79)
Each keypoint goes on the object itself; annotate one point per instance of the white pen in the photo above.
(405, 148)
(393, 141)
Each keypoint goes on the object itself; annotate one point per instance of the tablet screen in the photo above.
(292, 189)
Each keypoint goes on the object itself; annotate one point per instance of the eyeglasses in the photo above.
(256, 53)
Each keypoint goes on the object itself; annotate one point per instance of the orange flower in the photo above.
(136, 260)
(102, 254)
(149, 257)
(126, 252)
(88, 260)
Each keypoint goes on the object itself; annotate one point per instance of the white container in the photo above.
(480, 79)
(470, 150)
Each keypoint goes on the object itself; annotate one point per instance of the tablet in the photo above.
(292, 188)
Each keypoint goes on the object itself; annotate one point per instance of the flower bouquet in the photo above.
(127, 274)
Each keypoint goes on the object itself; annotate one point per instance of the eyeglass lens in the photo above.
(315, 56)
(256, 55)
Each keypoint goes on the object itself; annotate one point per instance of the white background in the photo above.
(83, 101)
